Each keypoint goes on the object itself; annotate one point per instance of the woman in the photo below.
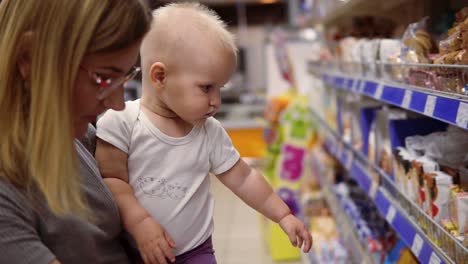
(62, 64)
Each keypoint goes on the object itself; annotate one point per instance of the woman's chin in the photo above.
(81, 129)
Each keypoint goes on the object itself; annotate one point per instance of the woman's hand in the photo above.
(154, 243)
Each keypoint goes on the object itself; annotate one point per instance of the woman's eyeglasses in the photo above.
(109, 85)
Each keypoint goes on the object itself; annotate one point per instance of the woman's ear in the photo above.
(24, 55)
(158, 74)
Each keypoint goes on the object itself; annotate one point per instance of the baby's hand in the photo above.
(153, 242)
(297, 232)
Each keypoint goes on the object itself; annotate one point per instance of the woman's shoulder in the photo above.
(13, 199)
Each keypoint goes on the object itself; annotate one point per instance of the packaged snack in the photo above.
(369, 57)
(363, 113)
(421, 77)
(417, 43)
(447, 243)
(383, 152)
(458, 209)
(451, 44)
(437, 187)
(402, 166)
(422, 165)
(461, 15)
(389, 56)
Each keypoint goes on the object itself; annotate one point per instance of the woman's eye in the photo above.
(103, 77)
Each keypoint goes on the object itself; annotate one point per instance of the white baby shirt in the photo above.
(170, 176)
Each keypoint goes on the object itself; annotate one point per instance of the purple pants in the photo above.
(203, 254)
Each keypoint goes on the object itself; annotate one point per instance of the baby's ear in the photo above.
(158, 73)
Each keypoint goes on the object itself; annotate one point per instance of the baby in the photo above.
(157, 154)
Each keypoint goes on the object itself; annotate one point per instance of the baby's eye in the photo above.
(205, 88)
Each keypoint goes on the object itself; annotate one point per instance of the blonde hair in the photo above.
(173, 27)
(37, 152)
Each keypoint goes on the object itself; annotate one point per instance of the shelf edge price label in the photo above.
(417, 245)
(407, 99)
(349, 160)
(339, 153)
(434, 259)
(361, 87)
(391, 213)
(462, 115)
(356, 84)
(430, 105)
(373, 189)
(379, 90)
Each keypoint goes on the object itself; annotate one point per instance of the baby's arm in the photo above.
(153, 241)
(254, 190)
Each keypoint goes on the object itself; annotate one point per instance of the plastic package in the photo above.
(369, 49)
(416, 43)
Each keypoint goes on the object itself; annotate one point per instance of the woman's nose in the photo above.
(115, 100)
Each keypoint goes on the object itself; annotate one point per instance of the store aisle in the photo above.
(237, 238)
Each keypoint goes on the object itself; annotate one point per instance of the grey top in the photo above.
(32, 234)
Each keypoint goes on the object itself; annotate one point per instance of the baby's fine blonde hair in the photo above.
(179, 26)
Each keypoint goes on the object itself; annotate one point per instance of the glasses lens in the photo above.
(132, 73)
(116, 83)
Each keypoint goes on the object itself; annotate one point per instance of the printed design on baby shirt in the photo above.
(161, 188)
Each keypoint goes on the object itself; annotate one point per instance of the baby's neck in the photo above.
(164, 119)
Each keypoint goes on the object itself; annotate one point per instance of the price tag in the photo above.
(407, 99)
(462, 115)
(391, 214)
(430, 105)
(362, 86)
(379, 91)
(417, 245)
(340, 150)
(434, 259)
(373, 189)
(349, 160)
(356, 84)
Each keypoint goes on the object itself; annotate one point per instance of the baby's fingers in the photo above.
(307, 240)
(299, 240)
(293, 238)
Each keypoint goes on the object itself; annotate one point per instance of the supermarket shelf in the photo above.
(346, 228)
(358, 251)
(385, 198)
(449, 108)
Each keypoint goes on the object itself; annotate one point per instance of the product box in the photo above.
(364, 112)
(458, 209)
(380, 142)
